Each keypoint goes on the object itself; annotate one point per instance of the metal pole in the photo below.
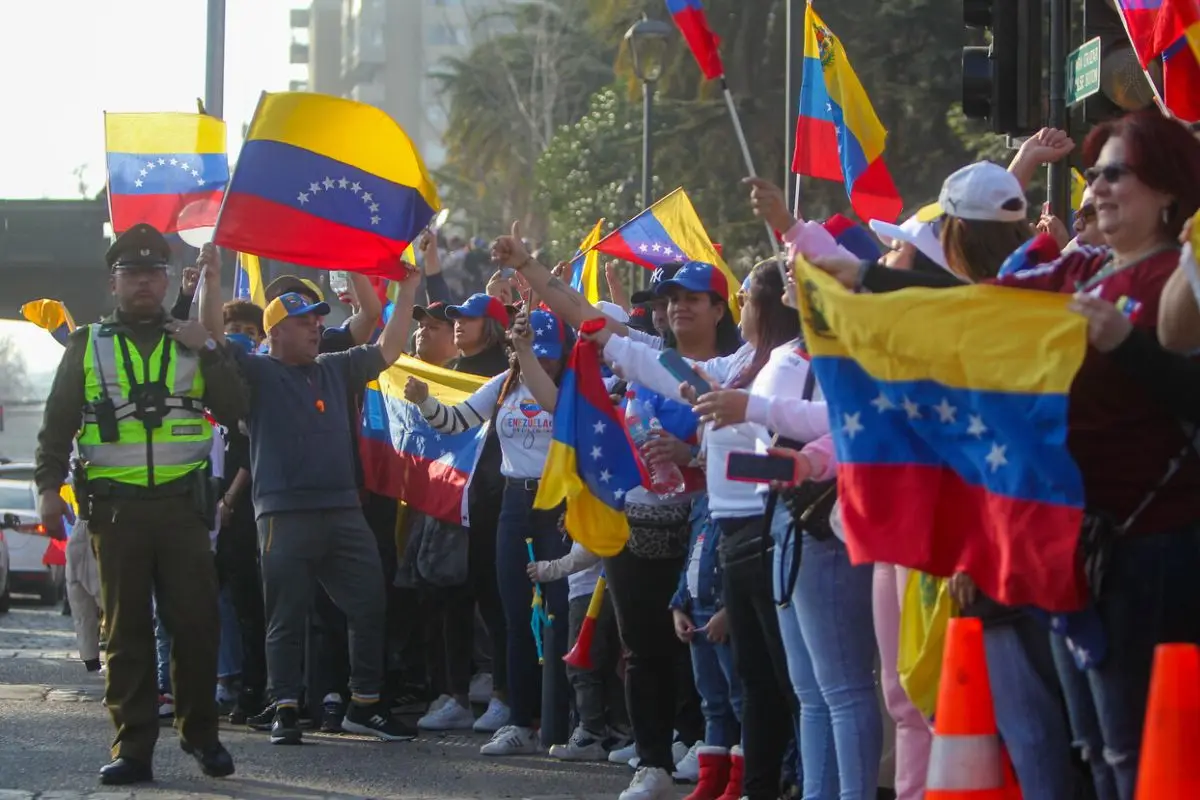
(789, 94)
(647, 156)
(214, 69)
(1058, 192)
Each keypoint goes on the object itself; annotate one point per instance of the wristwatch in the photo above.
(210, 343)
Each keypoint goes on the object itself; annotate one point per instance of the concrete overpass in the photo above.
(55, 249)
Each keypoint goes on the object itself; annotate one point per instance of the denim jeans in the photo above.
(830, 643)
(1149, 598)
(518, 522)
(1029, 710)
(229, 657)
(717, 683)
(162, 648)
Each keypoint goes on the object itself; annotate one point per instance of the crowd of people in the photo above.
(735, 648)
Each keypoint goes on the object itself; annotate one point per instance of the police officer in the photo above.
(132, 390)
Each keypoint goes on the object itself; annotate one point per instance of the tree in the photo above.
(14, 376)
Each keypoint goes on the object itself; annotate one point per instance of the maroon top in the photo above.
(1121, 437)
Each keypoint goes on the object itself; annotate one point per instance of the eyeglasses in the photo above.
(1085, 216)
(740, 299)
(1110, 172)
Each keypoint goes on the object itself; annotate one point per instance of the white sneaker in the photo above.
(582, 746)
(679, 752)
(495, 718)
(449, 716)
(688, 769)
(649, 783)
(481, 688)
(622, 755)
(512, 741)
(436, 704)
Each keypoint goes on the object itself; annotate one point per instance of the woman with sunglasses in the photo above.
(1145, 178)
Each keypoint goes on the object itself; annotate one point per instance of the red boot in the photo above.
(737, 768)
(714, 774)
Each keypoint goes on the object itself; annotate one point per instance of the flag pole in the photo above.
(1158, 98)
(741, 137)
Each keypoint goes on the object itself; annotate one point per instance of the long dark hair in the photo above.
(728, 338)
(775, 323)
(514, 367)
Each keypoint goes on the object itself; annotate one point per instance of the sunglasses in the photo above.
(1110, 172)
(1085, 216)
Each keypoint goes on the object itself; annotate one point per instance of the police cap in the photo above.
(140, 246)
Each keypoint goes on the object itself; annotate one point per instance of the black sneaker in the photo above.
(332, 715)
(263, 720)
(286, 729)
(411, 700)
(373, 720)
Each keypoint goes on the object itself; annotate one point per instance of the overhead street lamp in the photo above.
(648, 40)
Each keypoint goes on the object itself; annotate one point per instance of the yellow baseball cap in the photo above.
(291, 304)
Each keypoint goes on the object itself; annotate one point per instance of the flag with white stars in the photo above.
(949, 415)
(670, 231)
(164, 169)
(592, 464)
(328, 183)
(404, 457)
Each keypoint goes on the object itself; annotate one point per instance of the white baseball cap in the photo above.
(920, 234)
(613, 311)
(983, 191)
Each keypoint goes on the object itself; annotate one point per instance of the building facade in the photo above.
(385, 52)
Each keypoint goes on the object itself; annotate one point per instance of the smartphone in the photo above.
(507, 272)
(683, 371)
(755, 468)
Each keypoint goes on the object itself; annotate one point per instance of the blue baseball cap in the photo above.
(663, 273)
(549, 336)
(696, 276)
(480, 305)
(852, 237)
(291, 305)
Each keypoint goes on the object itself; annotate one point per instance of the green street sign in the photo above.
(1083, 72)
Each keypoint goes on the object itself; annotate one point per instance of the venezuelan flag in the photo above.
(949, 414)
(692, 22)
(1181, 78)
(328, 183)
(668, 231)
(838, 136)
(50, 315)
(585, 267)
(592, 464)
(403, 456)
(247, 280)
(165, 169)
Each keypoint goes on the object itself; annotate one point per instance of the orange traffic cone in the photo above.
(967, 761)
(1167, 770)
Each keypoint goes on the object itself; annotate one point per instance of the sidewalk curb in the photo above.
(10, 692)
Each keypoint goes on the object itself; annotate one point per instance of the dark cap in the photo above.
(641, 318)
(433, 311)
(140, 246)
(663, 273)
(290, 283)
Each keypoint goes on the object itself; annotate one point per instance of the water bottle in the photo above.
(339, 282)
(666, 479)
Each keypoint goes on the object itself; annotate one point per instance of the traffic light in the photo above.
(1123, 85)
(1002, 82)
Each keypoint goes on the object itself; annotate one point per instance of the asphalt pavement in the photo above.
(54, 736)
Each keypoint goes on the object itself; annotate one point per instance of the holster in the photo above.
(79, 483)
(206, 491)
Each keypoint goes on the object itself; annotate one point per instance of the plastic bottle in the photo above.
(339, 282)
(666, 479)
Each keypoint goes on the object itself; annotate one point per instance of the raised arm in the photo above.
(363, 323)
(211, 312)
(571, 306)
(470, 413)
(395, 334)
(540, 384)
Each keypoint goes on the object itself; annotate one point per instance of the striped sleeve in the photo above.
(470, 413)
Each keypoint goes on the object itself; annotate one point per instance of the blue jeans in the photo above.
(518, 522)
(229, 657)
(1149, 598)
(162, 647)
(718, 685)
(1029, 712)
(830, 642)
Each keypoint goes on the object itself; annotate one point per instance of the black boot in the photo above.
(123, 771)
(214, 760)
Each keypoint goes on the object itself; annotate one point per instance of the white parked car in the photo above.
(26, 572)
(5, 597)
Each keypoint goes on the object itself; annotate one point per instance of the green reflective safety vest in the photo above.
(142, 457)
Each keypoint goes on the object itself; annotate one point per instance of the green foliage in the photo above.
(588, 163)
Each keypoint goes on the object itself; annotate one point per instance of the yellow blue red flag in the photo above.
(667, 232)
(838, 136)
(247, 280)
(403, 456)
(329, 183)
(585, 267)
(592, 464)
(949, 415)
(50, 315)
(165, 169)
